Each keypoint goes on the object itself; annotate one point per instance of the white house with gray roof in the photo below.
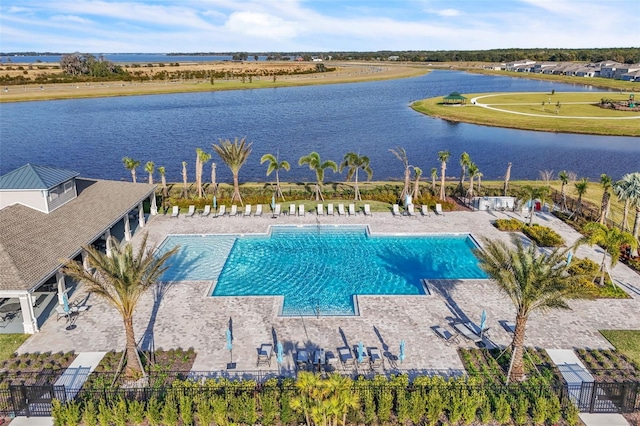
(48, 215)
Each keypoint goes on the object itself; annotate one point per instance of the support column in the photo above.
(85, 262)
(127, 228)
(154, 206)
(29, 322)
(141, 215)
(107, 237)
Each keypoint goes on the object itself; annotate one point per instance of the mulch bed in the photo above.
(609, 365)
(34, 368)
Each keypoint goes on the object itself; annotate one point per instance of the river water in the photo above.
(92, 135)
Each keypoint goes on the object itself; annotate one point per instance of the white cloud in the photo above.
(449, 12)
(257, 24)
(70, 18)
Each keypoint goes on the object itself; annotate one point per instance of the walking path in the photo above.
(78, 372)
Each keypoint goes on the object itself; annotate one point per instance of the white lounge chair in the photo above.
(425, 210)
(396, 210)
(222, 211)
(439, 209)
(352, 209)
(367, 210)
(175, 211)
(292, 209)
(467, 330)
(320, 209)
(191, 212)
(375, 358)
(258, 210)
(234, 210)
(341, 210)
(301, 210)
(206, 212)
(445, 335)
(247, 210)
(264, 354)
(276, 211)
(330, 210)
(410, 210)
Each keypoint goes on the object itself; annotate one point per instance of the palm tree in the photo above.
(275, 165)
(443, 156)
(185, 193)
(632, 193)
(581, 189)
(401, 155)
(564, 179)
(610, 239)
(534, 281)
(149, 168)
(315, 164)
(309, 386)
(434, 176)
(473, 172)
(605, 204)
(342, 395)
(619, 188)
(202, 158)
(214, 184)
(121, 278)
(163, 179)
(131, 165)
(465, 161)
(355, 162)
(479, 175)
(532, 193)
(234, 156)
(416, 184)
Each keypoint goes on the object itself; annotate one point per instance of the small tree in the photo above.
(318, 166)
(606, 183)
(354, 162)
(530, 194)
(185, 193)
(434, 177)
(564, 180)
(149, 168)
(581, 189)
(202, 158)
(234, 154)
(465, 162)
(276, 165)
(131, 165)
(611, 240)
(417, 171)
(443, 156)
(507, 176)
(473, 172)
(401, 155)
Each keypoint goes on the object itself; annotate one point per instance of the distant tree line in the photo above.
(86, 64)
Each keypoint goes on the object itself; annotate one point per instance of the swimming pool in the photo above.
(318, 269)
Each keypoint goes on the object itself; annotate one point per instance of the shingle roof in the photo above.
(35, 177)
(32, 243)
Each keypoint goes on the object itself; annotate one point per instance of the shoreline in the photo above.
(345, 73)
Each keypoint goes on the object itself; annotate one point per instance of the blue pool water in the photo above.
(320, 268)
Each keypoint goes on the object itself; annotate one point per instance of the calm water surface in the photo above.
(92, 135)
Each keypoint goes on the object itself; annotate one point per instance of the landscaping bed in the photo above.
(34, 368)
(542, 235)
(608, 365)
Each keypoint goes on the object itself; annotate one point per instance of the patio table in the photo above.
(9, 307)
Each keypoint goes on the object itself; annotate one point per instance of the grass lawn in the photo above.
(598, 120)
(625, 341)
(9, 343)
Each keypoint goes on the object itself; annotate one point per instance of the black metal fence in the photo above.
(609, 397)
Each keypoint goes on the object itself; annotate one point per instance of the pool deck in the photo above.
(181, 315)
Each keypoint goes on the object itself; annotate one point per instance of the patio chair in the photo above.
(466, 330)
(320, 209)
(175, 211)
(62, 313)
(439, 209)
(346, 357)
(445, 335)
(234, 210)
(509, 326)
(301, 210)
(41, 298)
(292, 209)
(264, 354)
(367, 210)
(276, 211)
(330, 210)
(330, 360)
(410, 210)
(206, 212)
(352, 209)
(375, 359)
(258, 210)
(247, 210)
(396, 210)
(191, 212)
(341, 210)
(302, 359)
(365, 355)
(425, 210)
(222, 211)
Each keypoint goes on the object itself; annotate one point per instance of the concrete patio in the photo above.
(183, 315)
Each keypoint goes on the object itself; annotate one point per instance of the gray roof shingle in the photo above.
(33, 243)
(35, 177)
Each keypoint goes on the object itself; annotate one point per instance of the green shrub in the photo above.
(510, 225)
(471, 401)
(90, 414)
(385, 403)
(521, 409)
(219, 406)
(571, 414)
(154, 413)
(366, 396)
(135, 409)
(416, 405)
(104, 413)
(120, 412)
(503, 410)
(540, 410)
(169, 412)
(186, 410)
(543, 236)
(269, 406)
(456, 403)
(486, 412)
(57, 413)
(554, 410)
(204, 412)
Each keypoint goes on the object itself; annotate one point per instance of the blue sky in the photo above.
(158, 26)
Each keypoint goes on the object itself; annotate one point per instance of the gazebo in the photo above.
(454, 98)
